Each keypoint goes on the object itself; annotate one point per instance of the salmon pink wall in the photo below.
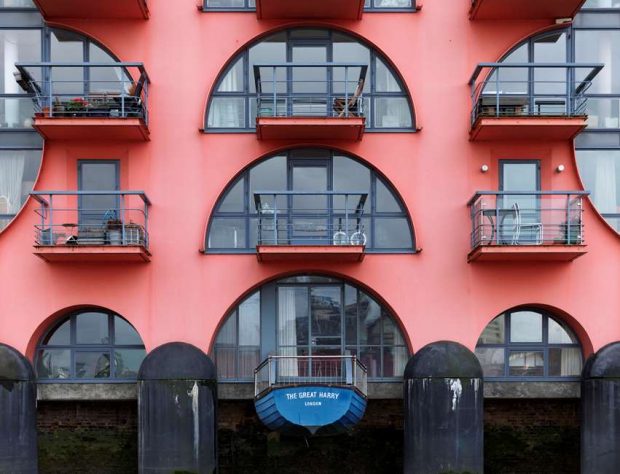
(182, 294)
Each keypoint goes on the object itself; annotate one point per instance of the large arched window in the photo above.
(90, 346)
(529, 344)
(232, 106)
(233, 226)
(305, 316)
(20, 145)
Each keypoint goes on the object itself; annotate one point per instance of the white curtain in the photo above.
(11, 178)
(287, 331)
(605, 185)
(571, 362)
(11, 56)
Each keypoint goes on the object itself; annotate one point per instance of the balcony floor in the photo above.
(526, 128)
(310, 128)
(524, 9)
(330, 9)
(93, 253)
(526, 253)
(310, 253)
(91, 9)
(83, 128)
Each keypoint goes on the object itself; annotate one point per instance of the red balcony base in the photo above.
(526, 128)
(526, 253)
(524, 9)
(312, 253)
(284, 9)
(91, 9)
(83, 128)
(310, 128)
(93, 253)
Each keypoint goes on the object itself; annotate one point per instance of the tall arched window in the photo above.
(309, 315)
(529, 344)
(232, 106)
(90, 346)
(233, 226)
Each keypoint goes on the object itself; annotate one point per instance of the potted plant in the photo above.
(76, 107)
(115, 231)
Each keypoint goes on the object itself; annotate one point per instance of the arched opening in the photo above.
(309, 315)
(90, 345)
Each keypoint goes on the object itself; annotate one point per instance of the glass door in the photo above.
(520, 214)
(309, 87)
(98, 175)
(310, 214)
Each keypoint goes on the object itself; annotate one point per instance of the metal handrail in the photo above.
(282, 101)
(129, 97)
(570, 102)
(329, 370)
(527, 218)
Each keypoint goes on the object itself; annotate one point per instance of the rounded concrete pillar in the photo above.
(443, 410)
(18, 413)
(600, 412)
(177, 422)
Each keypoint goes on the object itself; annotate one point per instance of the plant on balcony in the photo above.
(134, 234)
(115, 231)
(77, 106)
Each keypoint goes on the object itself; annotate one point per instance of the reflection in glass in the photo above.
(125, 333)
(600, 46)
(494, 332)
(92, 328)
(54, 364)
(60, 336)
(92, 365)
(491, 360)
(525, 326)
(227, 233)
(292, 316)
(226, 112)
(559, 335)
(526, 363)
(127, 362)
(18, 171)
(392, 112)
(565, 361)
(16, 46)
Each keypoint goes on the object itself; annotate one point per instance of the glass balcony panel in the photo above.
(16, 112)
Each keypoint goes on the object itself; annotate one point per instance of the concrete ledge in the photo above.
(86, 391)
(532, 389)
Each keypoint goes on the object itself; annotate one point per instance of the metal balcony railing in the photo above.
(113, 90)
(291, 371)
(310, 218)
(310, 90)
(71, 218)
(527, 218)
(531, 89)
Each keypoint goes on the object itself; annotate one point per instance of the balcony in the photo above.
(523, 9)
(310, 394)
(526, 226)
(309, 9)
(529, 101)
(92, 10)
(308, 101)
(310, 226)
(88, 101)
(92, 226)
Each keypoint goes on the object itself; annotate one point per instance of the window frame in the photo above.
(367, 9)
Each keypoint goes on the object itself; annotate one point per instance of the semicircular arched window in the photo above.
(529, 344)
(234, 224)
(309, 315)
(90, 346)
(232, 106)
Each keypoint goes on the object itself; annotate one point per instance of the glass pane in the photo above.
(550, 49)
(272, 50)
(326, 311)
(386, 202)
(227, 334)
(559, 335)
(309, 79)
(225, 3)
(600, 46)
(491, 360)
(391, 332)
(310, 179)
(565, 362)
(98, 176)
(18, 171)
(60, 336)
(233, 80)
(350, 314)
(392, 233)
(526, 363)
(249, 321)
(249, 359)
(17, 46)
(392, 3)
(371, 358)
(125, 334)
(16, 112)
(92, 365)
(54, 364)
(603, 113)
(227, 112)
(225, 360)
(105, 80)
(494, 332)
(600, 173)
(394, 361)
(309, 279)
(127, 362)
(349, 175)
(269, 175)
(233, 200)
(385, 79)
(392, 112)
(525, 326)
(227, 234)
(16, 4)
(602, 4)
(292, 316)
(369, 320)
(92, 328)
(67, 47)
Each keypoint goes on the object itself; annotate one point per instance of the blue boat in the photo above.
(317, 395)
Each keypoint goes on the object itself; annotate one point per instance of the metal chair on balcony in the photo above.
(344, 108)
(535, 228)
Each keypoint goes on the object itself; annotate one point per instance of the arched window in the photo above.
(233, 226)
(309, 315)
(529, 344)
(232, 106)
(90, 346)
